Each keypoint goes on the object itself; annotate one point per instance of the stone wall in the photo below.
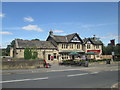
(106, 56)
(22, 64)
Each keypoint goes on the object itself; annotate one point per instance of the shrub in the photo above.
(27, 53)
(34, 55)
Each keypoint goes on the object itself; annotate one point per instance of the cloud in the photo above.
(6, 33)
(28, 19)
(2, 15)
(9, 28)
(32, 28)
(92, 25)
(58, 31)
(63, 34)
(110, 36)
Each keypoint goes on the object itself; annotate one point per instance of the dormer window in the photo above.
(75, 39)
(97, 46)
(88, 42)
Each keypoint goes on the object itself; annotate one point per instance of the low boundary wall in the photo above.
(22, 64)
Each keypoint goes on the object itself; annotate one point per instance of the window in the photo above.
(78, 46)
(97, 46)
(66, 45)
(62, 45)
(88, 46)
(54, 54)
(75, 39)
(71, 45)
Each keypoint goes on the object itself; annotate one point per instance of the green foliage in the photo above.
(12, 43)
(107, 50)
(34, 55)
(99, 60)
(29, 54)
(36, 39)
(117, 50)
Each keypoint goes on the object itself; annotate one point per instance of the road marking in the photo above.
(24, 80)
(71, 69)
(77, 74)
(94, 73)
(64, 70)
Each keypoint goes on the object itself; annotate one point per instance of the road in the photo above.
(61, 79)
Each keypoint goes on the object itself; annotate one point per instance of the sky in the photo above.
(31, 20)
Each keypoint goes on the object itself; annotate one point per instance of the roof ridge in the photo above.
(71, 34)
(58, 35)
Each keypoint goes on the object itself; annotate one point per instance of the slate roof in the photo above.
(33, 44)
(59, 38)
(93, 41)
(66, 38)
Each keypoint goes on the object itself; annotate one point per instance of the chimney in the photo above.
(112, 42)
(94, 37)
(50, 32)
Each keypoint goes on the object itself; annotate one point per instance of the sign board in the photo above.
(51, 57)
(95, 51)
(113, 53)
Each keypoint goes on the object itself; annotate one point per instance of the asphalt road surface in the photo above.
(62, 79)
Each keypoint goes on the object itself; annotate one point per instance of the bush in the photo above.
(27, 54)
(117, 60)
(34, 55)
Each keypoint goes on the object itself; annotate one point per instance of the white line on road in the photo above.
(23, 80)
(77, 74)
(94, 73)
(71, 69)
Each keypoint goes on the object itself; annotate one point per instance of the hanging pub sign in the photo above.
(51, 58)
(113, 53)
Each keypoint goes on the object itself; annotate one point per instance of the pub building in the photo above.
(58, 47)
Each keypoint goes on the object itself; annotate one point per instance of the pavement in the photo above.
(56, 68)
(116, 85)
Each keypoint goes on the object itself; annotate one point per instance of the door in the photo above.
(49, 56)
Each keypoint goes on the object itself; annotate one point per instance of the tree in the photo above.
(104, 50)
(36, 39)
(109, 49)
(8, 50)
(117, 50)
